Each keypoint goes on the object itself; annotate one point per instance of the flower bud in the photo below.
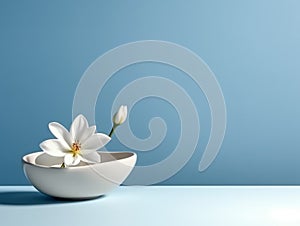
(120, 116)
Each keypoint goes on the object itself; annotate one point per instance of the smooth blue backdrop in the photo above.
(253, 47)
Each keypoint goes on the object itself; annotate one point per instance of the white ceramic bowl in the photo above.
(80, 182)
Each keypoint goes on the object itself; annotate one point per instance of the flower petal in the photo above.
(60, 132)
(87, 133)
(93, 128)
(121, 115)
(124, 115)
(78, 127)
(54, 147)
(94, 142)
(117, 118)
(92, 157)
(71, 160)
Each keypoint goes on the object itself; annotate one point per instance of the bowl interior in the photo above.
(44, 160)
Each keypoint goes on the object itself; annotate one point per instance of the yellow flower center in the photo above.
(75, 148)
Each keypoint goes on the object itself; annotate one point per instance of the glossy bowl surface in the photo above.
(84, 181)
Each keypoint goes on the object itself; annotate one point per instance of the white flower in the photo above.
(120, 116)
(80, 144)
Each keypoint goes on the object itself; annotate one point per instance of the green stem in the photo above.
(63, 165)
(112, 131)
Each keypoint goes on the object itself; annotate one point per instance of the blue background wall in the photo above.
(253, 47)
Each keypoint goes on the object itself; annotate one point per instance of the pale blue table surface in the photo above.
(157, 205)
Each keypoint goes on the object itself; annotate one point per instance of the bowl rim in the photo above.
(76, 167)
